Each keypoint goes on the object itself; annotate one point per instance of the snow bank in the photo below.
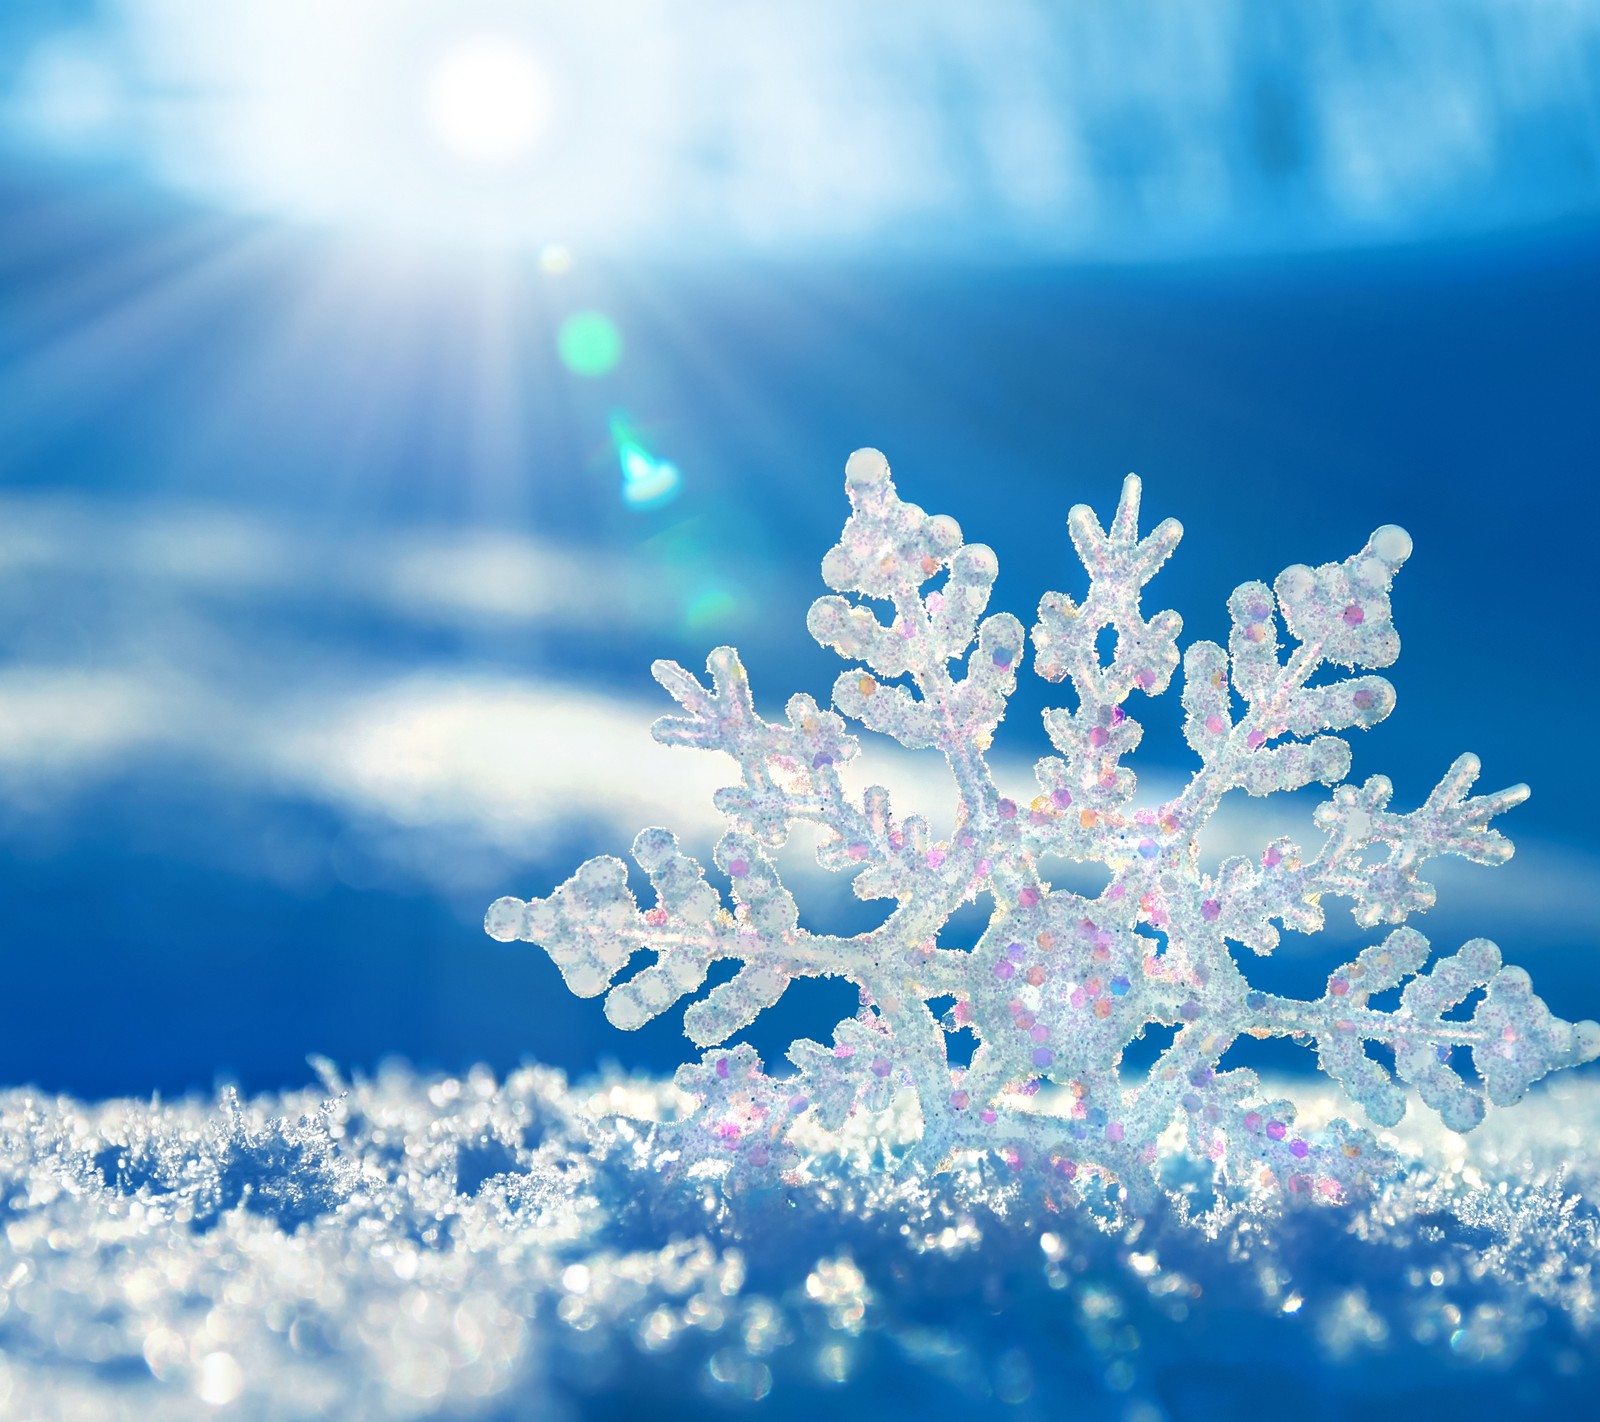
(420, 1247)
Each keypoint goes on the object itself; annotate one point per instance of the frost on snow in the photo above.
(1059, 984)
(467, 1247)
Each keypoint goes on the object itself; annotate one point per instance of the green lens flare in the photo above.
(710, 606)
(647, 482)
(589, 344)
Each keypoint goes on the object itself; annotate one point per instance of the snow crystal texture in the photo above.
(409, 1247)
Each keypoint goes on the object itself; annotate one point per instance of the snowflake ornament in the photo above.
(1060, 983)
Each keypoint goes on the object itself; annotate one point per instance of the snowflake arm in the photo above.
(888, 551)
(1245, 896)
(789, 772)
(1083, 788)
(1513, 1036)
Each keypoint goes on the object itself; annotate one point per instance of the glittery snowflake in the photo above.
(1060, 983)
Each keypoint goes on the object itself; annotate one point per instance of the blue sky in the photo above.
(1017, 129)
(379, 394)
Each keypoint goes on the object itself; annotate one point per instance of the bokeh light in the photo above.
(711, 605)
(555, 259)
(589, 344)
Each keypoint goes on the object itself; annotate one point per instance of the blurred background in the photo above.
(384, 383)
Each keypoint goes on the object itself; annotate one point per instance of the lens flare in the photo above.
(589, 344)
(647, 482)
(489, 101)
(555, 259)
(711, 605)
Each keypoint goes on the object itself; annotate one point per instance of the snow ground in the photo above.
(443, 1247)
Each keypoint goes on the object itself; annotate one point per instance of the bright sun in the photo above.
(489, 100)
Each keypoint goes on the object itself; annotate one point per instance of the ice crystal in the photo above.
(1059, 983)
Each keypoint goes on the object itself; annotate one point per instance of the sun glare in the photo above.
(489, 101)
